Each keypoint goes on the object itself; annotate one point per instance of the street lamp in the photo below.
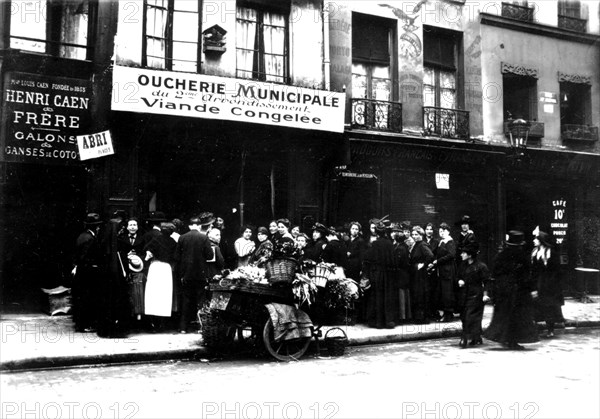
(518, 131)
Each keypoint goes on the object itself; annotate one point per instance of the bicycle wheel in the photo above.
(285, 350)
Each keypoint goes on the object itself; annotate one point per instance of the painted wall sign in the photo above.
(42, 115)
(92, 146)
(359, 175)
(202, 96)
(559, 223)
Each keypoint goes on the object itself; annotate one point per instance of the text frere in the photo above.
(46, 119)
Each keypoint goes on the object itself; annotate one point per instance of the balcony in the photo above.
(515, 11)
(572, 23)
(579, 132)
(446, 123)
(377, 115)
(536, 130)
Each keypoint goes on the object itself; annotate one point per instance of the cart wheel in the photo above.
(289, 350)
(216, 332)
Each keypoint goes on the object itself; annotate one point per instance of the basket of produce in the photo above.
(281, 270)
(322, 273)
(336, 341)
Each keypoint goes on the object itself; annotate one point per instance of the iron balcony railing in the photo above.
(536, 129)
(446, 123)
(518, 12)
(579, 132)
(378, 115)
(572, 23)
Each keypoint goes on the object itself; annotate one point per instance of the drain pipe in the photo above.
(326, 59)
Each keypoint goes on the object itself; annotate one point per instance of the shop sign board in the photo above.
(223, 98)
(559, 223)
(42, 116)
(442, 180)
(92, 146)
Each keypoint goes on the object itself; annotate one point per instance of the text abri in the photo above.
(93, 146)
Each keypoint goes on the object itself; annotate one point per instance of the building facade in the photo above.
(305, 109)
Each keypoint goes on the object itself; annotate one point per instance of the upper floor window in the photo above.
(55, 27)
(171, 39)
(262, 42)
(440, 67)
(372, 74)
(570, 16)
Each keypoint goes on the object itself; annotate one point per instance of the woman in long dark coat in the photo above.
(379, 266)
(512, 288)
(420, 257)
(544, 271)
(445, 264)
(355, 251)
(472, 278)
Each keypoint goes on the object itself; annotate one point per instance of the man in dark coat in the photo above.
(87, 275)
(192, 252)
(512, 292)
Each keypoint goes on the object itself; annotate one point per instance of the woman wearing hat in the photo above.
(265, 247)
(379, 267)
(512, 292)
(472, 277)
(544, 270)
(445, 265)
(315, 248)
(420, 257)
(160, 252)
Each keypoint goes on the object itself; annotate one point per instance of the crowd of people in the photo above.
(126, 279)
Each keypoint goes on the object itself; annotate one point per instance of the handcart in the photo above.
(237, 311)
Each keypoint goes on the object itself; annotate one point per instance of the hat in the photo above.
(206, 218)
(156, 216)
(545, 239)
(120, 214)
(465, 220)
(320, 228)
(332, 231)
(136, 264)
(405, 225)
(396, 227)
(92, 219)
(471, 248)
(263, 230)
(515, 238)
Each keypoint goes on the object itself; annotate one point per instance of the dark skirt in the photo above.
(471, 317)
(512, 321)
(383, 300)
(419, 294)
(136, 292)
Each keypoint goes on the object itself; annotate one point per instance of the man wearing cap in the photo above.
(87, 275)
(191, 256)
(512, 292)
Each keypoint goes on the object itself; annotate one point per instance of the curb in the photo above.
(572, 326)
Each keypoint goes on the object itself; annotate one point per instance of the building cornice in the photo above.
(538, 29)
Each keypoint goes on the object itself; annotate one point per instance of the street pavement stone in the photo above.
(41, 341)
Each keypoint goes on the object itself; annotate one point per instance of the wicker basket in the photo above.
(281, 270)
(336, 344)
(321, 275)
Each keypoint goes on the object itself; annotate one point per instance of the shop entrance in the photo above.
(42, 212)
(357, 199)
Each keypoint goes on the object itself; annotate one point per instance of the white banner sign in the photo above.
(202, 96)
(93, 146)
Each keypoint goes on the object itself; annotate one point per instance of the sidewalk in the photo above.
(41, 341)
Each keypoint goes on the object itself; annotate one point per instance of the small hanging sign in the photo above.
(92, 146)
(442, 180)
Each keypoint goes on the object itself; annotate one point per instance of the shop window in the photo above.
(372, 95)
(570, 16)
(56, 27)
(262, 42)
(171, 35)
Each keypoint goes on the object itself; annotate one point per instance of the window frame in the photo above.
(168, 37)
(259, 66)
(54, 18)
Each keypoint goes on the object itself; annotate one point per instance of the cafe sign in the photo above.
(42, 115)
(223, 98)
(559, 223)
